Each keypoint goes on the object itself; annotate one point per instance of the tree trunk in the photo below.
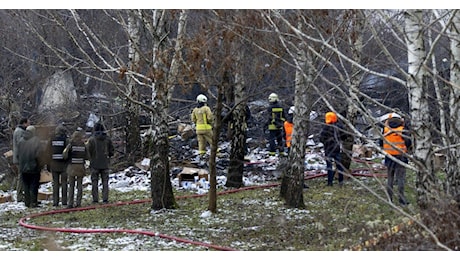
(132, 130)
(292, 182)
(356, 41)
(453, 163)
(161, 187)
(212, 203)
(417, 84)
(239, 128)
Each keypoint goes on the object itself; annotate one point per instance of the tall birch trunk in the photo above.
(293, 178)
(356, 42)
(161, 187)
(132, 131)
(239, 127)
(418, 100)
(178, 48)
(453, 155)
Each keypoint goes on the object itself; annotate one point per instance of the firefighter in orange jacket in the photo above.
(289, 127)
(202, 118)
(396, 142)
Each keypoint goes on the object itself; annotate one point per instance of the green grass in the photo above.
(334, 219)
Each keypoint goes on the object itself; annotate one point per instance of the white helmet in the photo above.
(273, 97)
(201, 98)
(291, 110)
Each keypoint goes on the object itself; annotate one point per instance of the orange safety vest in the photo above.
(288, 128)
(394, 140)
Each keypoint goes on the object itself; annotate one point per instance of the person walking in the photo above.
(31, 161)
(17, 135)
(76, 154)
(396, 142)
(275, 124)
(289, 128)
(331, 136)
(203, 119)
(100, 149)
(58, 165)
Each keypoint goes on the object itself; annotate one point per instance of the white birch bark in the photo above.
(453, 163)
(416, 83)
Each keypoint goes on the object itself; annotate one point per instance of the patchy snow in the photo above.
(134, 178)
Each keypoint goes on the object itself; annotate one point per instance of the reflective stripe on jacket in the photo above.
(78, 153)
(202, 117)
(58, 145)
(394, 140)
(277, 118)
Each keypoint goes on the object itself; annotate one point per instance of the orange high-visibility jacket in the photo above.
(288, 128)
(393, 140)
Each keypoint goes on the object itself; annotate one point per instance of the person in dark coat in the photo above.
(331, 136)
(396, 142)
(100, 149)
(76, 154)
(58, 165)
(31, 161)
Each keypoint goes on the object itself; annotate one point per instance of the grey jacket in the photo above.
(17, 134)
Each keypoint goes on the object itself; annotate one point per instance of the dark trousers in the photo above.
(330, 160)
(59, 184)
(19, 184)
(398, 172)
(275, 141)
(31, 182)
(104, 175)
(79, 181)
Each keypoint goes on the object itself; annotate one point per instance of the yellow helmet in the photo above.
(273, 97)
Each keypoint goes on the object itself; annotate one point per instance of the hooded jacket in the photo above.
(100, 148)
(29, 151)
(17, 135)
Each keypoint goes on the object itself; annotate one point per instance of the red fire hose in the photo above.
(309, 175)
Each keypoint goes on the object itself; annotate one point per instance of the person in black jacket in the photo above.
(58, 165)
(31, 161)
(332, 136)
(100, 149)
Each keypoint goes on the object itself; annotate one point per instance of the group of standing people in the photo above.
(65, 157)
(396, 140)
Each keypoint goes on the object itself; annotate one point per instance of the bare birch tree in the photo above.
(417, 85)
(453, 164)
(132, 131)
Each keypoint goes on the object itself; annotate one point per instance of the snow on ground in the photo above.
(133, 178)
(259, 171)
